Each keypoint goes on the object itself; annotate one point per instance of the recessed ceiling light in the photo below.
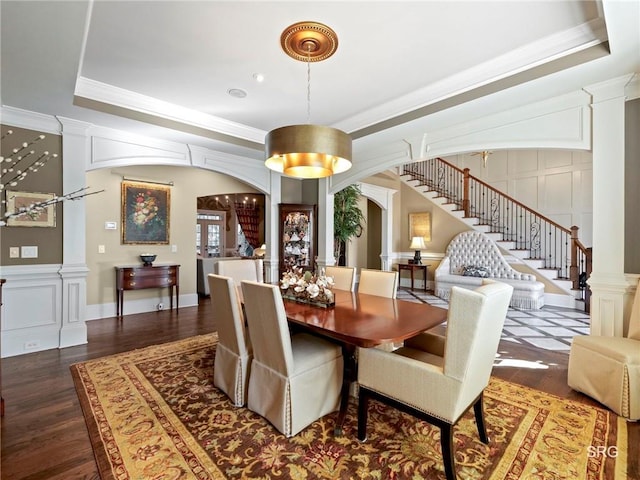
(259, 77)
(237, 92)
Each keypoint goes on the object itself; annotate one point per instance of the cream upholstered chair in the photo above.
(344, 278)
(608, 368)
(233, 353)
(378, 282)
(295, 379)
(240, 270)
(440, 388)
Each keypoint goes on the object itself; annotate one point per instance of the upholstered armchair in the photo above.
(344, 278)
(439, 386)
(608, 368)
(295, 379)
(378, 282)
(233, 353)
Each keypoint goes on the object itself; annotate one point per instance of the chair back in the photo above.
(268, 327)
(634, 319)
(227, 314)
(240, 270)
(378, 282)
(474, 327)
(344, 278)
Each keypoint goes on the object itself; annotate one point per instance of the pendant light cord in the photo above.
(309, 85)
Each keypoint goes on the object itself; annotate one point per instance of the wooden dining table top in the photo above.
(366, 320)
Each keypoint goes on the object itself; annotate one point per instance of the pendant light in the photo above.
(308, 151)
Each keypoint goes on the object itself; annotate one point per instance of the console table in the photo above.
(412, 268)
(141, 277)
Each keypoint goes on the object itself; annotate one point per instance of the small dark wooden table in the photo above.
(141, 277)
(360, 320)
(412, 268)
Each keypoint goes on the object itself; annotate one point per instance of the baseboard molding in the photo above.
(144, 305)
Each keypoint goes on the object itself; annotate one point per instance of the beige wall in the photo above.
(189, 183)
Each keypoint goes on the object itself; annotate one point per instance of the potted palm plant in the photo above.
(348, 220)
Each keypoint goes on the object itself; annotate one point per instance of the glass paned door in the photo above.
(210, 233)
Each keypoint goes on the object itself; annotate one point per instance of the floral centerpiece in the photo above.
(307, 287)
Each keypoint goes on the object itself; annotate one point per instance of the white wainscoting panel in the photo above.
(32, 309)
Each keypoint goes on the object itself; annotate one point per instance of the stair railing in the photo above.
(558, 247)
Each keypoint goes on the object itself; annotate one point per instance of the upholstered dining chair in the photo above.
(378, 282)
(295, 379)
(233, 353)
(608, 368)
(439, 388)
(344, 278)
(241, 270)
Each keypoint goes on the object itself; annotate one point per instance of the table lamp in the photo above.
(417, 244)
(260, 252)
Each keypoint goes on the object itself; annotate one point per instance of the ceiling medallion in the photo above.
(309, 41)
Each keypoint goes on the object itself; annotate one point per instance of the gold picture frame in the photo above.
(420, 225)
(146, 212)
(46, 217)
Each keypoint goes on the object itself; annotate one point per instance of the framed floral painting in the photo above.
(145, 213)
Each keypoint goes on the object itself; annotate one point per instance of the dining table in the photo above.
(365, 321)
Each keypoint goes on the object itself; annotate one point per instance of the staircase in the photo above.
(553, 251)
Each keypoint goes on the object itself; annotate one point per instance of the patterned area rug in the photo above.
(154, 413)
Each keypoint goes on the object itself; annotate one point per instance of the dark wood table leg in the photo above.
(350, 375)
(119, 303)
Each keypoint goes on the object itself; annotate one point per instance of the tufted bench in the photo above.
(472, 256)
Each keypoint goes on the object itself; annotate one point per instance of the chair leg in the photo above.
(446, 442)
(363, 408)
(478, 409)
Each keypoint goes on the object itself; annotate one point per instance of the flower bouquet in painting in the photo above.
(307, 287)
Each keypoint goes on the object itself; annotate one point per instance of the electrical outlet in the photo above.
(30, 345)
(174, 248)
(14, 252)
(160, 306)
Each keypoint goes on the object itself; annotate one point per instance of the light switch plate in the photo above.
(14, 252)
(29, 252)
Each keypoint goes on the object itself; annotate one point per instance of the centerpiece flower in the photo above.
(307, 287)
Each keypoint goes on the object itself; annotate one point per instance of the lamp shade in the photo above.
(417, 243)
(308, 151)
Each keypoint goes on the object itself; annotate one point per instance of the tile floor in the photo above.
(551, 328)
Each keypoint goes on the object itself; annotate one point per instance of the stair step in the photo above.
(507, 245)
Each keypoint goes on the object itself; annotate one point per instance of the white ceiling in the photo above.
(172, 63)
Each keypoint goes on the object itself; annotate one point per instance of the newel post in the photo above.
(465, 192)
(574, 273)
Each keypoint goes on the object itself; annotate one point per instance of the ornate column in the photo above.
(325, 224)
(610, 288)
(75, 155)
(272, 230)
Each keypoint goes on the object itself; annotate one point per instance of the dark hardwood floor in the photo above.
(43, 431)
